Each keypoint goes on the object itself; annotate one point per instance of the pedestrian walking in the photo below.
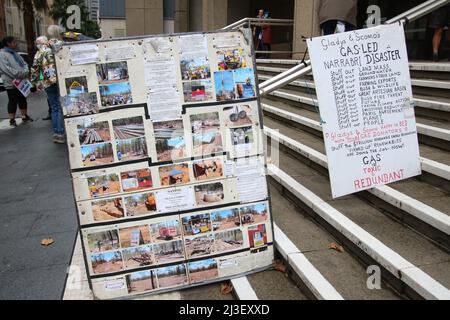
(267, 37)
(13, 67)
(258, 34)
(337, 15)
(44, 62)
(438, 20)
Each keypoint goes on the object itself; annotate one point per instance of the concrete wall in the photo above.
(144, 17)
(113, 28)
(306, 24)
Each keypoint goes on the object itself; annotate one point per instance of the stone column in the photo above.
(144, 17)
(305, 23)
(181, 16)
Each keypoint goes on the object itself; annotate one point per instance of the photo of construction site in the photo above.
(131, 149)
(228, 240)
(140, 204)
(134, 236)
(128, 128)
(224, 83)
(93, 132)
(198, 91)
(109, 209)
(226, 219)
(136, 180)
(166, 231)
(76, 86)
(170, 142)
(97, 154)
(107, 262)
(245, 83)
(103, 185)
(82, 104)
(138, 257)
(141, 281)
(195, 68)
(172, 276)
(208, 169)
(232, 59)
(238, 115)
(208, 194)
(103, 241)
(199, 246)
(174, 174)
(207, 137)
(196, 224)
(257, 213)
(168, 252)
(203, 270)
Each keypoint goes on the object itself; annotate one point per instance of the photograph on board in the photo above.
(208, 194)
(198, 91)
(97, 154)
(128, 128)
(169, 252)
(241, 136)
(76, 86)
(224, 83)
(165, 231)
(170, 142)
(109, 209)
(203, 270)
(103, 241)
(176, 174)
(134, 236)
(131, 149)
(228, 240)
(112, 72)
(245, 83)
(140, 204)
(208, 169)
(196, 224)
(257, 213)
(199, 246)
(232, 59)
(93, 132)
(172, 276)
(195, 68)
(142, 281)
(257, 236)
(103, 185)
(206, 134)
(107, 262)
(225, 219)
(138, 257)
(81, 105)
(238, 115)
(116, 94)
(136, 180)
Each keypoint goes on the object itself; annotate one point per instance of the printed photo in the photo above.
(208, 169)
(93, 132)
(208, 194)
(141, 281)
(232, 59)
(226, 219)
(173, 276)
(116, 94)
(203, 270)
(97, 154)
(168, 252)
(199, 246)
(131, 149)
(207, 138)
(82, 104)
(128, 128)
(138, 257)
(105, 210)
(242, 135)
(103, 241)
(166, 231)
(113, 72)
(170, 142)
(134, 236)
(228, 240)
(194, 225)
(198, 91)
(140, 204)
(103, 185)
(238, 115)
(195, 68)
(254, 214)
(224, 82)
(257, 236)
(245, 83)
(174, 174)
(136, 180)
(107, 262)
(76, 86)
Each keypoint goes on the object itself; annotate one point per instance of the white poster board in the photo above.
(366, 107)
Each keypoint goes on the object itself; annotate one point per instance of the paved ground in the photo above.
(35, 202)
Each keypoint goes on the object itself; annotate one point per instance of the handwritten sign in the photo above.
(368, 119)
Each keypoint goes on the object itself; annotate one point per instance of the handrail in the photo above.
(259, 22)
(418, 11)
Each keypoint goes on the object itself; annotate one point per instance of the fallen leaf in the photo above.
(226, 288)
(279, 266)
(47, 242)
(336, 247)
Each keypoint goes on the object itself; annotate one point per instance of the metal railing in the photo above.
(305, 68)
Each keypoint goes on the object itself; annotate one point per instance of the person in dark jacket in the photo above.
(438, 20)
(337, 15)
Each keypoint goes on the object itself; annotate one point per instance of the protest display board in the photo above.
(165, 139)
(366, 106)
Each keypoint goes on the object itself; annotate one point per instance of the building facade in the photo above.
(93, 7)
(2, 19)
(112, 18)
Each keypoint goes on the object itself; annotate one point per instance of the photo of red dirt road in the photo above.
(226, 219)
(203, 270)
(141, 281)
(169, 252)
(107, 262)
(257, 213)
(228, 241)
(138, 257)
(105, 210)
(172, 276)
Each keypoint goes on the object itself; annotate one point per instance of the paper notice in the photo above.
(251, 180)
(160, 73)
(158, 45)
(24, 86)
(113, 286)
(84, 54)
(120, 53)
(193, 44)
(226, 41)
(175, 199)
(164, 105)
(230, 168)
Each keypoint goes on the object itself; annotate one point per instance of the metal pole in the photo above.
(277, 85)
